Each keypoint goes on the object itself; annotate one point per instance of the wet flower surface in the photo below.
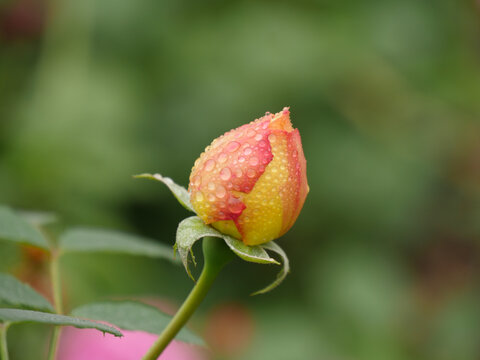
(251, 182)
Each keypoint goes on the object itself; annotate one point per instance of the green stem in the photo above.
(3, 341)
(57, 298)
(216, 255)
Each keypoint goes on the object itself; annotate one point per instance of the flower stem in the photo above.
(3, 341)
(57, 298)
(216, 255)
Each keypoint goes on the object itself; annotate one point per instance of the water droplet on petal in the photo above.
(232, 146)
(211, 197)
(211, 186)
(238, 173)
(220, 192)
(247, 151)
(196, 181)
(272, 138)
(199, 196)
(241, 159)
(295, 153)
(225, 174)
(251, 173)
(209, 165)
(258, 137)
(262, 144)
(251, 133)
(253, 161)
(222, 158)
(235, 206)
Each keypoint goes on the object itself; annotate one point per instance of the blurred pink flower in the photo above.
(82, 344)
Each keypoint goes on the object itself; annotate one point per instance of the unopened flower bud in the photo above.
(251, 182)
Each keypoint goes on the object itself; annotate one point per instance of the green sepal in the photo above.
(272, 246)
(180, 193)
(193, 228)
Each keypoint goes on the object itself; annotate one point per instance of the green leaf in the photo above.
(132, 315)
(19, 316)
(39, 218)
(180, 193)
(107, 241)
(14, 228)
(193, 228)
(18, 294)
(285, 268)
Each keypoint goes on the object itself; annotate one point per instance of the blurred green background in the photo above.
(386, 95)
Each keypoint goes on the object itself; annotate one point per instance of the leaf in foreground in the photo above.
(19, 316)
(132, 315)
(14, 228)
(107, 241)
(17, 294)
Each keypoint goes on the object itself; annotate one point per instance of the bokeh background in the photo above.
(386, 94)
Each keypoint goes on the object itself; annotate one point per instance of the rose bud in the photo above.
(251, 182)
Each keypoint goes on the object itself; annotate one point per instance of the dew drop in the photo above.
(251, 133)
(196, 181)
(225, 174)
(272, 138)
(222, 158)
(232, 146)
(209, 165)
(235, 206)
(258, 137)
(262, 144)
(251, 173)
(220, 192)
(247, 151)
(241, 159)
(211, 197)
(199, 196)
(238, 173)
(211, 186)
(295, 153)
(253, 161)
